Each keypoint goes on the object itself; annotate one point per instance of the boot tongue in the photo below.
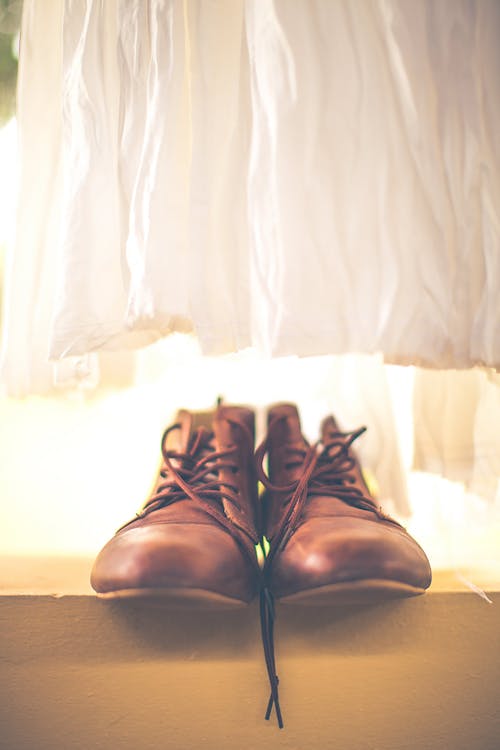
(223, 428)
(223, 432)
(329, 429)
(230, 425)
(287, 421)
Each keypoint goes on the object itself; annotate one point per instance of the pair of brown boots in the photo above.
(321, 536)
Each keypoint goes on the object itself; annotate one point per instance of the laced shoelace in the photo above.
(326, 470)
(194, 474)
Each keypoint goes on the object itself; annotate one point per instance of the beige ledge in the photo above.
(79, 673)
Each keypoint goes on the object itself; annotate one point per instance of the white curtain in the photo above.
(456, 416)
(305, 178)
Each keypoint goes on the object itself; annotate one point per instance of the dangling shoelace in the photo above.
(326, 470)
(194, 474)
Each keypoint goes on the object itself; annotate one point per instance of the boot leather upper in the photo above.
(333, 541)
(180, 545)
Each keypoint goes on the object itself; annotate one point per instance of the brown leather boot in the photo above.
(329, 542)
(194, 541)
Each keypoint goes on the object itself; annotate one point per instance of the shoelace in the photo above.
(194, 474)
(326, 470)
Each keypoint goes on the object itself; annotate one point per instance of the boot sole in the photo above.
(368, 591)
(177, 598)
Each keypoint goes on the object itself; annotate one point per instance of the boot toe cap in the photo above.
(173, 557)
(328, 551)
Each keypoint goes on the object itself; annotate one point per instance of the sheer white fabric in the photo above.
(302, 177)
(308, 177)
(457, 415)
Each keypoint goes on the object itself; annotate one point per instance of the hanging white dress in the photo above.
(306, 177)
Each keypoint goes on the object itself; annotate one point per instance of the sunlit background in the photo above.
(76, 466)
